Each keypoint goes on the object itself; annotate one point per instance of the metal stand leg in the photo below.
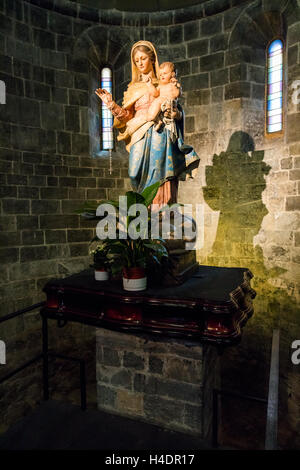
(45, 359)
(82, 385)
(215, 419)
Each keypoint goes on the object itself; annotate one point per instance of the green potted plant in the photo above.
(101, 261)
(131, 256)
(134, 258)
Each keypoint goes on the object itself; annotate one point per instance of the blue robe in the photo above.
(156, 158)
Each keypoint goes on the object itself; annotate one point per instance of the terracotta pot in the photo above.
(134, 279)
(101, 275)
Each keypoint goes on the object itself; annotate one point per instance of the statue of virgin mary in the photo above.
(153, 154)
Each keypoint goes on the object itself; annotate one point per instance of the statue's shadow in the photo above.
(235, 183)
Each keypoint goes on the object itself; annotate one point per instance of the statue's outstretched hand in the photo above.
(104, 95)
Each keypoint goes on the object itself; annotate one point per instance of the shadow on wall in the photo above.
(235, 183)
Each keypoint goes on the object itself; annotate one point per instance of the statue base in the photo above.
(180, 267)
(183, 265)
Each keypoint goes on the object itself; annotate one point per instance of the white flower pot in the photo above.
(135, 284)
(101, 275)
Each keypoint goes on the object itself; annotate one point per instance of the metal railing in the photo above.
(44, 356)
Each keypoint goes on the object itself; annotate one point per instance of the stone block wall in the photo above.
(50, 56)
(46, 173)
(161, 381)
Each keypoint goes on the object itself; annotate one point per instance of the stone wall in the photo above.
(161, 381)
(249, 185)
(51, 53)
(46, 173)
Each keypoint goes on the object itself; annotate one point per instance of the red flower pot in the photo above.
(134, 279)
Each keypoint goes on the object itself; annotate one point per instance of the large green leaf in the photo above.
(134, 198)
(150, 192)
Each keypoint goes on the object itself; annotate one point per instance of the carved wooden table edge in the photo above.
(198, 319)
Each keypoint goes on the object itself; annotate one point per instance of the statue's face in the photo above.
(165, 74)
(143, 62)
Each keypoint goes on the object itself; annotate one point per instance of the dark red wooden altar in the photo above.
(211, 307)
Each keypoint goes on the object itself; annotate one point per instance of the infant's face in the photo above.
(165, 74)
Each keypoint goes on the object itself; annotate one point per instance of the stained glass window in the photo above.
(274, 86)
(107, 118)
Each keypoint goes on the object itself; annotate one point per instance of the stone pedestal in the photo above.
(162, 381)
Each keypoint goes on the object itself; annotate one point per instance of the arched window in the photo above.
(107, 140)
(274, 103)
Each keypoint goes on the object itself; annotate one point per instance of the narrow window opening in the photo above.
(106, 116)
(274, 102)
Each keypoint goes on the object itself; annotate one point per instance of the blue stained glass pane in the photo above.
(274, 88)
(275, 60)
(275, 127)
(275, 119)
(107, 118)
(275, 104)
(274, 95)
(275, 46)
(274, 54)
(276, 68)
(274, 112)
(275, 76)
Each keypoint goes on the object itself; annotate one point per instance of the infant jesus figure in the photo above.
(165, 95)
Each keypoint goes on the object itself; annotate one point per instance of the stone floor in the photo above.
(58, 425)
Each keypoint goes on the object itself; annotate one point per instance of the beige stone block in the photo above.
(297, 238)
(287, 189)
(254, 123)
(103, 373)
(278, 190)
(295, 149)
(278, 176)
(183, 369)
(293, 203)
(187, 349)
(278, 237)
(201, 122)
(195, 110)
(236, 119)
(286, 163)
(293, 273)
(294, 174)
(272, 158)
(33, 269)
(275, 203)
(129, 402)
(113, 338)
(287, 221)
(296, 255)
(293, 126)
(232, 105)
